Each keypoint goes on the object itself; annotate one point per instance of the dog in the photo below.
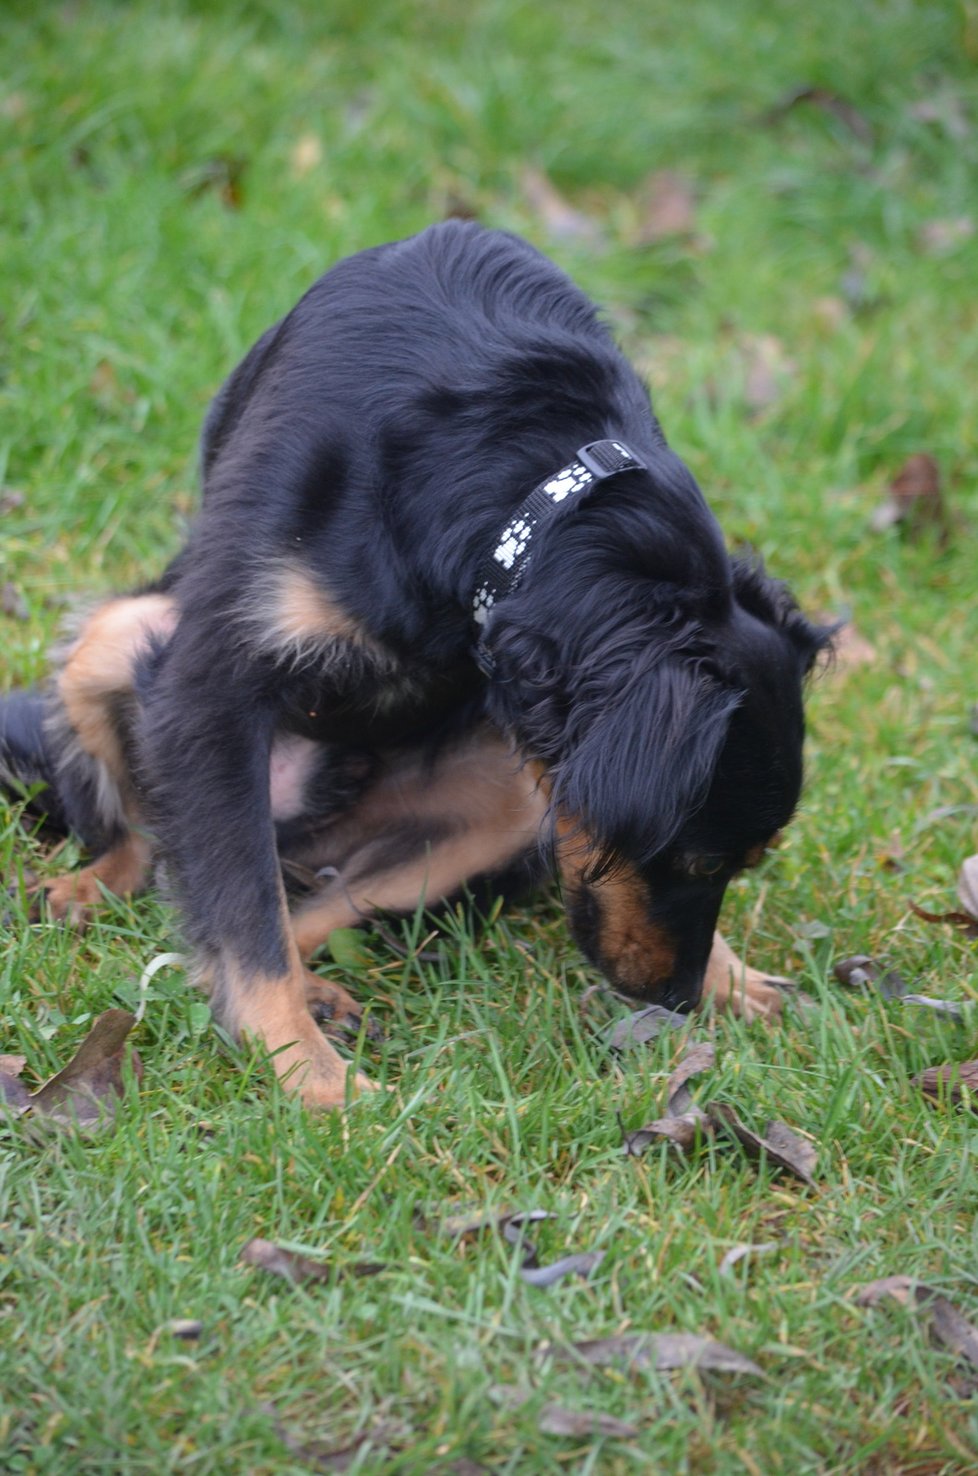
(452, 616)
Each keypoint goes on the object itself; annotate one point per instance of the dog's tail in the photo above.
(42, 766)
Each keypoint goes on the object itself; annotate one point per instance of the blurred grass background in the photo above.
(174, 176)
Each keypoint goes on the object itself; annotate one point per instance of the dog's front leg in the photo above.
(206, 742)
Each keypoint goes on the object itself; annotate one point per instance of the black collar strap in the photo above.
(503, 570)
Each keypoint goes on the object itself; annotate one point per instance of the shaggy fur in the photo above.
(357, 468)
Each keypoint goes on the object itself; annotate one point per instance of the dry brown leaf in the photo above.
(946, 111)
(654, 1350)
(563, 221)
(11, 499)
(668, 207)
(779, 1144)
(826, 101)
(850, 649)
(644, 1025)
(697, 1058)
(860, 969)
(948, 1327)
(679, 1130)
(964, 920)
(556, 1419)
(765, 369)
(86, 1092)
(914, 498)
(950, 1083)
(13, 1093)
(383, 1436)
(968, 886)
(297, 1268)
(741, 1252)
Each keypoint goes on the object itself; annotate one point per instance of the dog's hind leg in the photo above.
(88, 731)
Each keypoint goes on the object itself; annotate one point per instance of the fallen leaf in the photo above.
(914, 498)
(644, 1025)
(563, 221)
(188, 1329)
(741, 1252)
(296, 1268)
(654, 1350)
(12, 602)
(851, 650)
(85, 1093)
(668, 207)
(956, 1082)
(11, 499)
(697, 1058)
(556, 1419)
(779, 1144)
(679, 1130)
(826, 101)
(968, 886)
(581, 1264)
(223, 174)
(948, 1327)
(963, 920)
(940, 1006)
(13, 1092)
(765, 369)
(860, 970)
(941, 237)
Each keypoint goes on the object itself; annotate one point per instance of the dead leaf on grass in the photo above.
(556, 1419)
(223, 175)
(86, 1092)
(297, 1268)
(914, 499)
(955, 1083)
(11, 499)
(948, 1327)
(563, 221)
(683, 1119)
(945, 110)
(968, 886)
(667, 207)
(654, 1350)
(765, 368)
(319, 1455)
(779, 1144)
(860, 970)
(13, 1092)
(827, 101)
(741, 1252)
(939, 1006)
(581, 1264)
(966, 921)
(851, 650)
(644, 1025)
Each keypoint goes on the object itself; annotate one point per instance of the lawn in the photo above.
(174, 176)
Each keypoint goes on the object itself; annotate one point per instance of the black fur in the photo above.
(377, 439)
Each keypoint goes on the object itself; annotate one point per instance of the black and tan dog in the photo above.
(452, 612)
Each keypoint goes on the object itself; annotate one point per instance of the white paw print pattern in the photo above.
(513, 543)
(573, 478)
(484, 601)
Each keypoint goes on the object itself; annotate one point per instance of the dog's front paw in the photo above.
(336, 1011)
(732, 984)
(70, 898)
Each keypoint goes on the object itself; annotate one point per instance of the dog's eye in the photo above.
(704, 865)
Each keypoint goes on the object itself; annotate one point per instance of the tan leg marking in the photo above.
(100, 666)
(733, 985)
(123, 870)
(492, 808)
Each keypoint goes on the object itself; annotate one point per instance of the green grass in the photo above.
(131, 285)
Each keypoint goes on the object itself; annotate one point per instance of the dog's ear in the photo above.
(644, 762)
(771, 601)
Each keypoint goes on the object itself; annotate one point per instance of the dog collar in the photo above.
(503, 570)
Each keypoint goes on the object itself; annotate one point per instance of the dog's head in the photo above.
(670, 727)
